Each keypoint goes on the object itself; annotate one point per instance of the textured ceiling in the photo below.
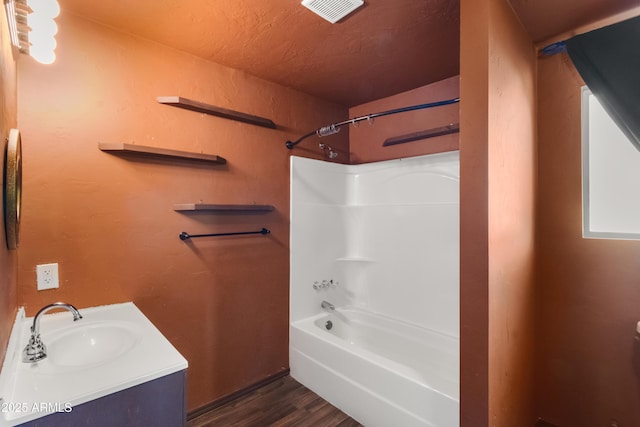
(545, 19)
(383, 48)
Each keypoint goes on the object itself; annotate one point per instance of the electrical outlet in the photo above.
(47, 275)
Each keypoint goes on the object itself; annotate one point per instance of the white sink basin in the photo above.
(89, 344)
(110, 349)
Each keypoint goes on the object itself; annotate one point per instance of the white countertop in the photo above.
(33, 390)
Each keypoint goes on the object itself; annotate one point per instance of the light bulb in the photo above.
(41, 24)
(48, 8)
(42, 47)
(44, 57)
(43, 43)
(43, 28)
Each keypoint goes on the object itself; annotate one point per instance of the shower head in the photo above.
(328, 151)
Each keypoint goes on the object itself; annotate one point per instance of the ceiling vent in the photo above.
(332, 10)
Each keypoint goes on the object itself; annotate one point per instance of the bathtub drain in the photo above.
(328, 325)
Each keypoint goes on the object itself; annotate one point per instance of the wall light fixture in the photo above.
(33, 27)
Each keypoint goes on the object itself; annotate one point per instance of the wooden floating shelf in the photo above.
(200, 107)
(204, 207)
(118, 147)
(430, 133)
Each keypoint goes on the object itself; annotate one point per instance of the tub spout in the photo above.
(36, 350)
(327, 306)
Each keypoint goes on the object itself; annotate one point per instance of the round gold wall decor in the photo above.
(13, 188)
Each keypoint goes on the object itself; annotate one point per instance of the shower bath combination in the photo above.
(383, 346)
(335, 127)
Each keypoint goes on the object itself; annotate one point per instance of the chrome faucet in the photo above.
(36, 350)
(327, 306)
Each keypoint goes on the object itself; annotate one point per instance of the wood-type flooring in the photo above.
(282, 403)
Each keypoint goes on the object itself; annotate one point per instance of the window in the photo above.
(610, 176)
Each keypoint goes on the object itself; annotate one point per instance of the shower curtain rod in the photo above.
(335, 128)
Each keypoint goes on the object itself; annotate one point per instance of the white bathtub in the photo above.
(380, 371)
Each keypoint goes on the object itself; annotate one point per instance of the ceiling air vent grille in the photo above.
(332, 10)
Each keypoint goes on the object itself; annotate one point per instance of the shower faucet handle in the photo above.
(325, 284)
(332, 283)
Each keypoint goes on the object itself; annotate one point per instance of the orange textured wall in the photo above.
(8, 114)
(474, 212)
(588, 369)
(109, 221)
(498, 186)
(512, 208)
(365, 140)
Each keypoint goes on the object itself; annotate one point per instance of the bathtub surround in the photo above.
(386, 234)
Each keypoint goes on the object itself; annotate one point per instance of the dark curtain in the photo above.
(608, 60)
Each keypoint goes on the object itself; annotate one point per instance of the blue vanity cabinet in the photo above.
(157, 403)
